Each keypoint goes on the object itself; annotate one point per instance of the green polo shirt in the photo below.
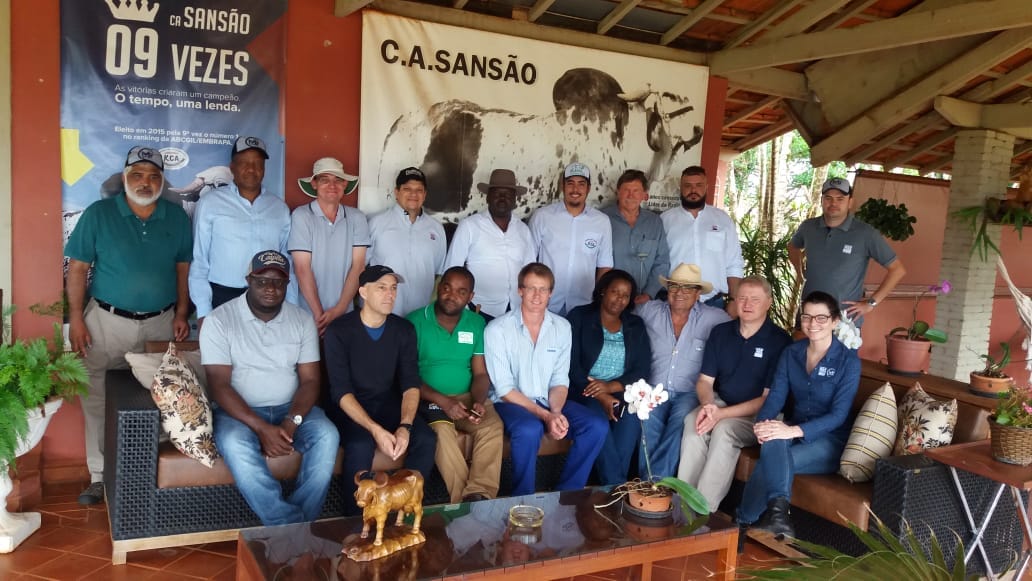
(444, 358)
(134, 261)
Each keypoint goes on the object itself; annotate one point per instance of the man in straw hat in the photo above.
(678, 329)
(328, 243)
(494, 246)
(409, 240)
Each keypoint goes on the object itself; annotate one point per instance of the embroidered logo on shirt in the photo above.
(822, 371)
(758, 353)
(433, 236)
(847, 249)
(715, 228)
(466, 337)
(591, 243)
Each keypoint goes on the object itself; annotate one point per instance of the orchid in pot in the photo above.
(918, 329)
(641, 399)
(907, 348)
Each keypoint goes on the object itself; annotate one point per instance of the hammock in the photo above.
(1024, 306)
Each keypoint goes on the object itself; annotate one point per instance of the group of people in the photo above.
(323, 329)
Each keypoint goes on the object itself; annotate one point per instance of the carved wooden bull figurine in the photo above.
(403, 492)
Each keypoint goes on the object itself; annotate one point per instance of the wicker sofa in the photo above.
(157, 497)
(911, 488)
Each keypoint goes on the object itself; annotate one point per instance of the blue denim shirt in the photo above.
(821, 399)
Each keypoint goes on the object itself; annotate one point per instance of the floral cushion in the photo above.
(924, 422)
(185, 413)
(145, 365)
(873, 435)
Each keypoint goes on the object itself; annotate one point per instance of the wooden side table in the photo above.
(976, 458)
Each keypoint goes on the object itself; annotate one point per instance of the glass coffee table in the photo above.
(476, 540)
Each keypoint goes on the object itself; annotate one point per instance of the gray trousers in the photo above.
(708, 461)
(112, 337)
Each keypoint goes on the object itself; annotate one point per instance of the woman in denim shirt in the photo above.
(821, 375)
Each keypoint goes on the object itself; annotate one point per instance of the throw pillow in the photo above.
(924, 422)
(145, 365)
(185, 413)
(873, 435)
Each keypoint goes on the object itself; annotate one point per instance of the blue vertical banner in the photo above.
(183, 77)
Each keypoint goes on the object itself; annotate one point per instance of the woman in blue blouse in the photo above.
(821, 375)
(610, 350)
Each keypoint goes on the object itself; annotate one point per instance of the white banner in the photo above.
(458, 103)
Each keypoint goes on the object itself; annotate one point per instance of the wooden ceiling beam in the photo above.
(342, 8)
(854, 10)
(539, 8)
(804, 18)
(913, 99)
(763, 136)
(616, 15)
(760, 23)
(910, 29)
(688, 21)
(747, 112)
(777, 82)
(1012, 118)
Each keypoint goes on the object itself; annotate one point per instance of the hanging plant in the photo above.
(994, 211)
(892, 220)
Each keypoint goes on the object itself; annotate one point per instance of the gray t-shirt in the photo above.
(264, 355)
(331, 245)
(837, 258)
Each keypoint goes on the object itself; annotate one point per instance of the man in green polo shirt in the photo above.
(139, 246)
(454, 390)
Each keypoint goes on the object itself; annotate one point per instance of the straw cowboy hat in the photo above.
(686, 274)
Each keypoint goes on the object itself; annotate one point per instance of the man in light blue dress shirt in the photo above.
(527, 351)
(231, 225)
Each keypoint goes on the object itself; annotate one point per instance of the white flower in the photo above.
(847, 332)
(642, 398)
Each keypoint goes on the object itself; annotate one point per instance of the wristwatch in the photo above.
(872, 302)
(297, 419)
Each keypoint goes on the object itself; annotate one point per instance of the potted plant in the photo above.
(991, 381)
(652, 496)
(1006, 212)
(35, 377)
(907, 348)
(892, 220)
(1010, 429)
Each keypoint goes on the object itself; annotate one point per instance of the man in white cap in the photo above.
(232, 224)
(574, 240)
(139, 246)
(328, 243)
(678, 329)
(409, 240)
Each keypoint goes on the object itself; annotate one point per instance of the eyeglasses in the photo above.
(683, 288)
(273, 283)
(819, 319)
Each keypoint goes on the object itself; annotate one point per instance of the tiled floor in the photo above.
(74, 543)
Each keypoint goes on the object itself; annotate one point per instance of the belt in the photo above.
(130, 314)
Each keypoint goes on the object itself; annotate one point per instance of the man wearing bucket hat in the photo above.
(574, 240)
(139, 246)
(494, 246)
(678, 329)
(328, 243)
(408, 239)
(231, 224)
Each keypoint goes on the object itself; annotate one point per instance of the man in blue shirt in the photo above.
(737, 371)
(232, 224)
(528, 360)
(639, 240)
(139, 247)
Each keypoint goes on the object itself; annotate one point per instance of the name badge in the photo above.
(822, 371)
(551, 350)
(466, 337)
(847, 249)
(758, 353)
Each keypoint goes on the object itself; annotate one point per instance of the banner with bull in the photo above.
(458, 103)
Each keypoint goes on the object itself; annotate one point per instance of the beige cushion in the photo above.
(185, 413)
(924, 422)
(145, 365)
(872, 437)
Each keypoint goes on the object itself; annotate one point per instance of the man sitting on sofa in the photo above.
(261, 356)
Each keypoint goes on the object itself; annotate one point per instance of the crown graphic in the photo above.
(128, 10)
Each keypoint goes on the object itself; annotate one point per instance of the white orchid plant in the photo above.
(641, 399)
(847, 332)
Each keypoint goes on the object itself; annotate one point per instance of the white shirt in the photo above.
(573, 247)
(415, 250)
(710, 241)
(495, 259)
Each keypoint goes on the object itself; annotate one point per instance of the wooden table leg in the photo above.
(646, 571)
(727, 559)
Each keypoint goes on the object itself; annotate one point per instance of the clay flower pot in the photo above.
(657, 502)
(905, 356)
(986, 386)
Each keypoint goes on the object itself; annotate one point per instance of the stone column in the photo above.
(981, 168)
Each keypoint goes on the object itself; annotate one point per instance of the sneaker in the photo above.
(94, 494)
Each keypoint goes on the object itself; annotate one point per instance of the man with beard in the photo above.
(454, 389)
(702, 234)
(139, 246)
(231, 224)
(261, 357)
(574, 240)
(494, 246)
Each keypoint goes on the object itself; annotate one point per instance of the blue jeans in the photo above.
(780, 461)
(614, 461)
(663, 432)
(716, 300)
(587, 429)
(316, 439)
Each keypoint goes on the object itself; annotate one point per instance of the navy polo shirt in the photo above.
(742, 368)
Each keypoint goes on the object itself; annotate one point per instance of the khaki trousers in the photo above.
(483, 473)
(708, 461)
(112, 337)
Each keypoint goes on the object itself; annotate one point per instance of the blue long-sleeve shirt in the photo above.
(822, 398)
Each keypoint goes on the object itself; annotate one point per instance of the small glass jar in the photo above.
(525, 523)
